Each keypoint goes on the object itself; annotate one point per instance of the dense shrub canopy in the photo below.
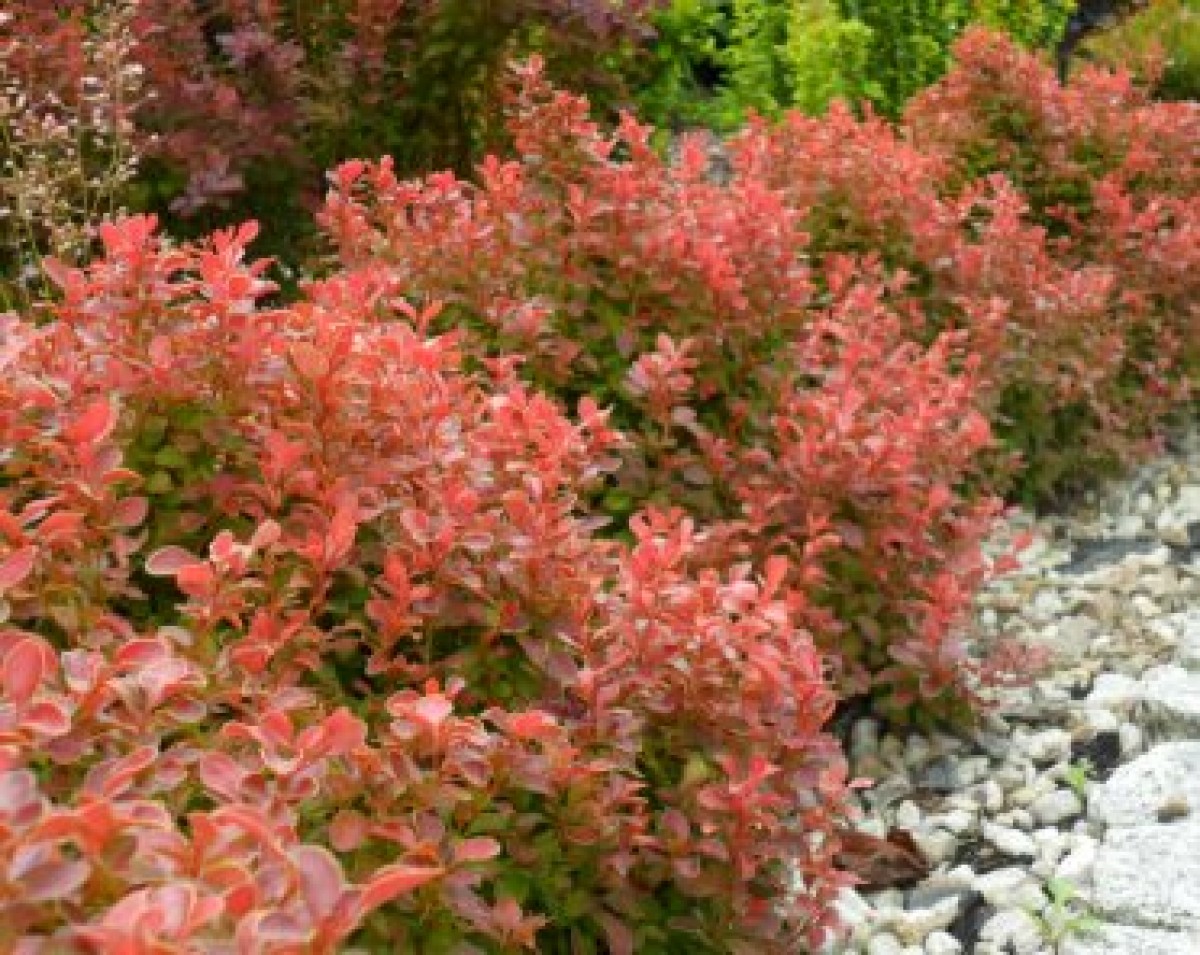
(493, 588)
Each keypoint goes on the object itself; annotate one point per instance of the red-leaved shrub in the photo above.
(1112, 177)
(1035, 219)
(307, 641)
(788, 411)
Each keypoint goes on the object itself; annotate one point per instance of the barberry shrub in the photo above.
(788, 411)
(307, 641)
(1101, 187)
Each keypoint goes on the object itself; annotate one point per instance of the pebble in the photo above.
(942, 943)
(1076, 867)
(1011, 842)
(1012, 887)
(1049, 745)
(1056, 807)
(915, 925)
(885, 944)
(1001, 810)
(1012, 931)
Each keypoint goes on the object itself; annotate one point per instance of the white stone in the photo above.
(942, 943)
(1188, 500)
(885, 944)
(1010, 887)
(1114, 691)
(1126, 940)
(1097, 719)
(1143, 606)
(917, 751)
(1078, 864)
(991, 795)
(915, 925)
(1170, 707)
(1056, 807)
(1131, 525)
(1150, 876)
(972, 769)
(1052, 845)
(853, 910)
(908, 816)
(1014, 931)
(1131, 739)
(1188, 655)
(1011, 842)
(936, 845)
(1049, 745)
(957, 821)
(1135, 793)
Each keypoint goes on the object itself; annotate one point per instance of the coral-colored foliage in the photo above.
(794, 412)
(307, 637)
(497, 591)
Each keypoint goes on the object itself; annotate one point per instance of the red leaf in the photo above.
(348, 830)
(131, 512)
(169, 561)
(24, 668)
(396, 880)
(93, 425)
(48, 717)
(16, 567)
(476, 850)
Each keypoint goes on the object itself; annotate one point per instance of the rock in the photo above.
(936, 845)
(1144, 607)
(1009, 777)
(1056, 807)
(1097, 719)
(1126, 940)
(1011, 842)
(1052, 845)
(991, 795)
(1137, 791)
(957, 821)
(1114, 691)
(908, 816)
(1131, 525)
(914, 925)
(1188, 501)
(1011, 887)
(1013, 931)
(885, 944)
(853, 910)
(1024, 796)
(942, 943)
(1078, 864)
(1170, 704)
(1131, 738)
(1188, 651)
(1048, 746)
(1150, 876)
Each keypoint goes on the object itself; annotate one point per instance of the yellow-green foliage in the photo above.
(770, 55)
(827, 57)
